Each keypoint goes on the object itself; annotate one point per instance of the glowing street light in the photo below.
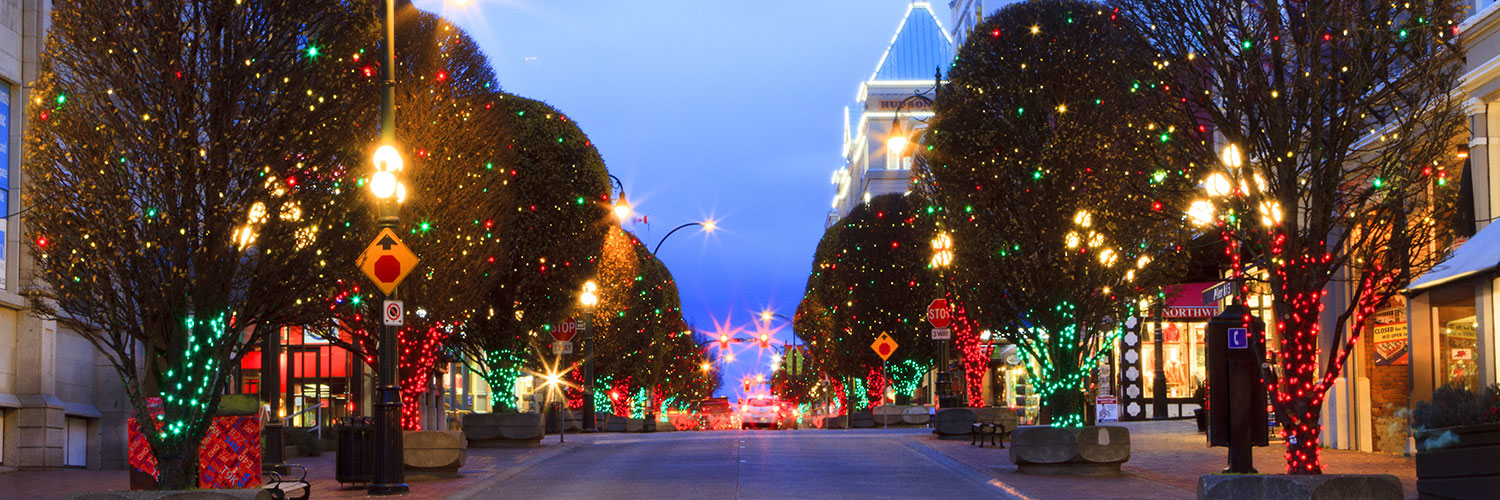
(942, 250)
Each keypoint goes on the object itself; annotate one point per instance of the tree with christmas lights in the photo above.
(446, 95)
(871, 276)
(1050, 166)
(190, 175)
(1345, 118)
(558, 216)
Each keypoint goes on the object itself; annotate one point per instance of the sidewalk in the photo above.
(482, 463)
(1166, 459)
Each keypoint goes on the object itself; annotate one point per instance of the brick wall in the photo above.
(1390, 388)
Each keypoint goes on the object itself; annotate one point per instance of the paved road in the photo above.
(742, 464)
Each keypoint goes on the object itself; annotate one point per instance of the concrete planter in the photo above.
(1299, 487)
(1083, 451)
(953, 423)
(241, 494)
(916, 415)
(834, 422)
(888, 415)
(504, 430)
(434, 454)
(862, 420)
(615, 423)
(1458, 462)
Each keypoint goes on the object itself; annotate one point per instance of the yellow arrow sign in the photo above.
(884, 346)
(387, 261)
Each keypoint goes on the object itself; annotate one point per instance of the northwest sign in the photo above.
(884, 346)
(387, 261)
(392, 313)
(565, 331)
(937, 313)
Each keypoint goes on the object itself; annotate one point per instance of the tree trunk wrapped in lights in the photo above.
(1346, 118)
(191, 166)
(1051, 165)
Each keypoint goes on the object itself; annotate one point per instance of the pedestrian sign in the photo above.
(387, 261)
(1239, 338)
(884, 346)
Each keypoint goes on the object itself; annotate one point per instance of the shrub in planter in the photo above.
(1458, 443)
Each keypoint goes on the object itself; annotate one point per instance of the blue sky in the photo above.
(708, 108)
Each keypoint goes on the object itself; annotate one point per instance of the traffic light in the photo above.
(747, 385)
(765, 340)
(723, 341)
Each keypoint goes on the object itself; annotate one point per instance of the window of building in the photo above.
(1456, 337)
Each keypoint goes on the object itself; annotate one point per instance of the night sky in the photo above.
(730, 110)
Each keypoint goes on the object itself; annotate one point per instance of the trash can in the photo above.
(355, 460)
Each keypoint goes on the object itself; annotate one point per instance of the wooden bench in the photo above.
(281, 487)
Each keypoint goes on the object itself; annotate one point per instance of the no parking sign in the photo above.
(392, 313)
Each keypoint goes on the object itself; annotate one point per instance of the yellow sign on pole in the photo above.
(884, 346)
(387, 261)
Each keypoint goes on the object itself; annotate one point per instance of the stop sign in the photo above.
(565, 331)
(937, 313)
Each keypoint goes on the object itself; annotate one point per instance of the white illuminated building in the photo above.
(920, 51)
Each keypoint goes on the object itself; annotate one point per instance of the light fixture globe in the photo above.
(383, 184)
(387, 159)
(588, 299)
(622, 208)
(896, 144)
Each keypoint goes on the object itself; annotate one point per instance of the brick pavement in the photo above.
(481, 463)
(1166, 459)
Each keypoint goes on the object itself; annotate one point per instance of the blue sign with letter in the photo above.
(1239, 338)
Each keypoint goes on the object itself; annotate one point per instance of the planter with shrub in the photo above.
(1458, 443)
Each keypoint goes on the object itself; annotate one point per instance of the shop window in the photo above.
(1455, 339)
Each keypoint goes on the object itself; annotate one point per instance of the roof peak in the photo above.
(920, 46)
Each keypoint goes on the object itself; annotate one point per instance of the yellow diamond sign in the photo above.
(884, 346)
(387, 261)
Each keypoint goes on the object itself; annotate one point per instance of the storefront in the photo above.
(1451, 325)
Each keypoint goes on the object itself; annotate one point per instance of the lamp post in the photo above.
(588, 299)
(942, 257)
(708, 227)
(389, 476)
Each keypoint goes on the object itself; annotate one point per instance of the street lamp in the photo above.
(588, 299)
(942, 257)
(389, 476)
(708, 227)
(621, 206)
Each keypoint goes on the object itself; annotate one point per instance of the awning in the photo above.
(1186, 301)
(1478, 255)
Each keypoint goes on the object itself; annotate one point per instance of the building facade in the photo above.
(1451, 311)
(61, 404)
(891, 106)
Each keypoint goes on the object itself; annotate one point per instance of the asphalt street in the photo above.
(742, 464)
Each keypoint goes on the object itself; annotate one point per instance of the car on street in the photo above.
(760, 411)
(715, 413)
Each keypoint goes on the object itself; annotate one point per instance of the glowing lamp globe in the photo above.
(896, 144)
(588, 299)
(622, 209)
(383, 184)
(387, 159)
(1218, 185)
